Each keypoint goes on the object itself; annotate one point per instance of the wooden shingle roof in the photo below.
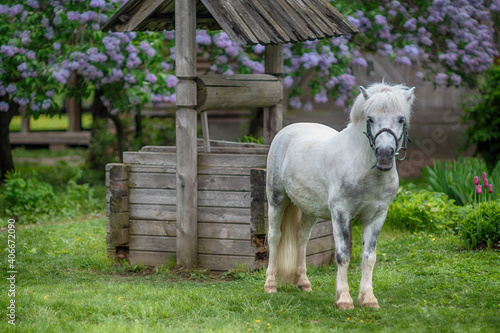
(245, 21)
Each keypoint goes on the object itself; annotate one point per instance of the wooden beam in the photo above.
(226, 92)
(273, 116)
(144, 10)
(186, 121)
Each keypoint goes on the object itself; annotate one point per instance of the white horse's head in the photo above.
(386, 110)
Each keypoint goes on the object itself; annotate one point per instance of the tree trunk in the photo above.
(99, 112)
(138, 128)
(6, 161)
(120, 134)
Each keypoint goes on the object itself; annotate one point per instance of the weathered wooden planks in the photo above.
(231, 209)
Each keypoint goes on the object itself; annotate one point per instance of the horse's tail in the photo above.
(288, 247)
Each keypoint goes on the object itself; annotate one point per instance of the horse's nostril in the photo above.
(384, 151)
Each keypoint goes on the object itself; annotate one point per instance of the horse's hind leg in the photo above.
(306, 225)
(275, 215)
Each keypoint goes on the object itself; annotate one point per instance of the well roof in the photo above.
(245, 21)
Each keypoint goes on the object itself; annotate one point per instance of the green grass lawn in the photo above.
(65, 283)
(47, 123)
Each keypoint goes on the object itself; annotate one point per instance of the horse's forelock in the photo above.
(382, 96)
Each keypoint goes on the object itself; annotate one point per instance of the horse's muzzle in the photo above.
(385, 158)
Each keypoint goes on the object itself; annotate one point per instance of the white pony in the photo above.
(314, 172)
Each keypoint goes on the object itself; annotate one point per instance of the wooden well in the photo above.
(232, 208)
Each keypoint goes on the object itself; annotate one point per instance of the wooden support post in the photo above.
(273, 116)
(206, 132)
(118, 214)
(186, 121)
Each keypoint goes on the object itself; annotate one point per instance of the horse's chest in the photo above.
(365, 194)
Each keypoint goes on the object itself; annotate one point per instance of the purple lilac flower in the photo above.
(98, 4)
(441, 79)
(30, 55)
(46, 104)
(411, 24)
(4, 106)
(403, 61)
(169, 35)
(381, 20)
(258, 49)
(11, 89)
(307, 107)
(22, 67)
(33, 4)
(295, 102)
(495, 6)
(61, 75)
(8, 50)
(359, 62)
(456, 79)
(150, 77)
(165, 66)
(203, 38)
(288, 82)
(171, 81)
(321, 97)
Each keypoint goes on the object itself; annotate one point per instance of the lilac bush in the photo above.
(133, 68)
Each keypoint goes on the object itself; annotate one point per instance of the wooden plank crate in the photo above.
(232, 208)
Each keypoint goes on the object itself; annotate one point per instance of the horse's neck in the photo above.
(359, 145)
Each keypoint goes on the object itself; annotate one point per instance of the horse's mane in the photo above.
(382, 96)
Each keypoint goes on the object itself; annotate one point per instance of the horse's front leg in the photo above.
(371, 231)
(341, 223)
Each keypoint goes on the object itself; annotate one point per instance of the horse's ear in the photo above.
(410, 94)
(364, 92)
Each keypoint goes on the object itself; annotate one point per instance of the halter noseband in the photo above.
(405, 136)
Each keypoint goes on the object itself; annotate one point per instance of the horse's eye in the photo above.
(402, 120)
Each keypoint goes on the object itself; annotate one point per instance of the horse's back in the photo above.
(300, 131)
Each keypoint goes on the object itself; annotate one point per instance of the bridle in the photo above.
(404, 139)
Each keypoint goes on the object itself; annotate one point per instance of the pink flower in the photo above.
(476, 180)
(479, 189)
(484, 175)
(490, 189)
(485, 183)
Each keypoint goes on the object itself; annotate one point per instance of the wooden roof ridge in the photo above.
(245, 21)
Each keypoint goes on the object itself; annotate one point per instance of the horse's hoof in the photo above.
(270, 288)
(305, 287)
(373, 305)
(345, 306)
